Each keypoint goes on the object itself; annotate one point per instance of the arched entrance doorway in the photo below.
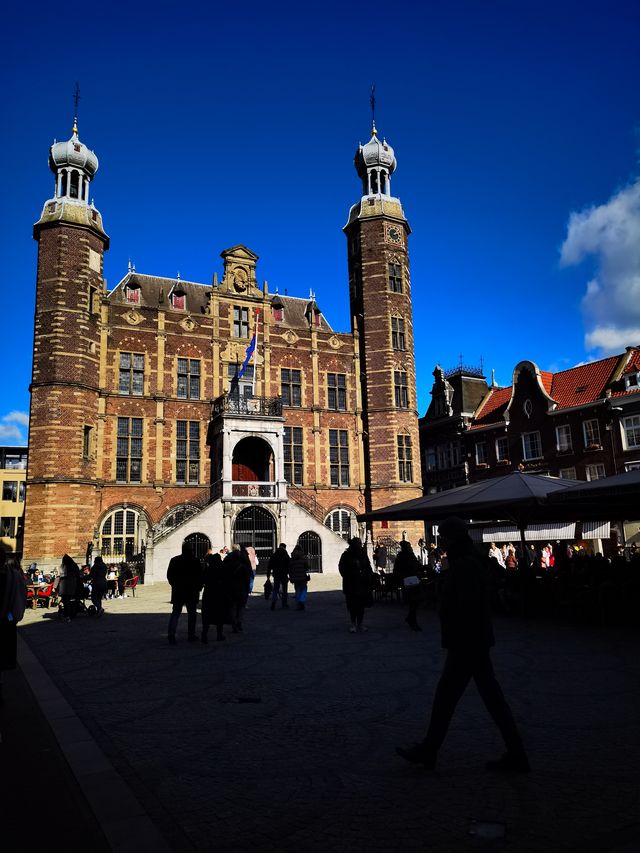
(199, 543)
(311, 545)
(256, 526)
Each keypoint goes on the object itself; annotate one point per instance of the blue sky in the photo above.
(515, 125)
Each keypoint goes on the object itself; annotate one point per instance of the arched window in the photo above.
(120, 534)
(74, 187)
(342, 521)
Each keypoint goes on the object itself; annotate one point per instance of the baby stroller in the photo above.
(71, 605)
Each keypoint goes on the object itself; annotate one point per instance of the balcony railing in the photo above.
(253, 489)
(233, 404)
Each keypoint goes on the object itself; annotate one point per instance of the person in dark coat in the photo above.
(238, 566)
(216, 595)
(98, 584)
(70, 586)
(406, 565)
(13, 600)
(278, 566)
(185, 577)
(299, 575)
(357, 582)
(467, 634)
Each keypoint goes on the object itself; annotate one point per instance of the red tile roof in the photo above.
(583, 384)
(634, 362)
(574, 387)
(547, 380)
(497, 399)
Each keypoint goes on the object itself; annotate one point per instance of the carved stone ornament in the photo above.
(290, 337)
(335, 342)
(187, 324)
(133, 317)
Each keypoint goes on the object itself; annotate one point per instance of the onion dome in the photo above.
(73, 154)
(375, 154)
(375, 162)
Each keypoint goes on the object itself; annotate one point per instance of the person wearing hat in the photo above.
(467, 635)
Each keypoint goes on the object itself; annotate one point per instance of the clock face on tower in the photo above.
(394, 235)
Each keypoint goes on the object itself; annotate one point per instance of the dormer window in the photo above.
(632, 380)
(317, 319)
(132, 294)
(178, 298)
(278, 314)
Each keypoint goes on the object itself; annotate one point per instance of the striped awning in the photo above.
(596, 529)
(533, 532)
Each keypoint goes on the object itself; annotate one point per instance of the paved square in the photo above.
(282, 738)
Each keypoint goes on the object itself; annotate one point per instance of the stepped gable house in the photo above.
(582, 423)
(145, 430)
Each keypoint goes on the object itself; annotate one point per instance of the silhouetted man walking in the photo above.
(185, 577)
(467, 634)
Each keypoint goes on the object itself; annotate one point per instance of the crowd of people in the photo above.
(225, 579)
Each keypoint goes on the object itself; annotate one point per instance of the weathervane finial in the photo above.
(372, 100)
(76, 98)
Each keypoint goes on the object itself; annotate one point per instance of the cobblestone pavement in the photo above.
(282, 738)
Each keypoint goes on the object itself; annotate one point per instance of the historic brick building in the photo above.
(144, 427)
(582, 423)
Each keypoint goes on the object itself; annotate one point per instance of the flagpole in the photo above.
(255, 354)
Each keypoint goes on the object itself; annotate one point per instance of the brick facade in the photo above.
(109, 361)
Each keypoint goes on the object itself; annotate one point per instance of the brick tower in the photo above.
(380, 296)
(62, 477)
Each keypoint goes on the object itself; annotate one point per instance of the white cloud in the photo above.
(611, 233)
(17, 417)
(7, 432)
(10, 427)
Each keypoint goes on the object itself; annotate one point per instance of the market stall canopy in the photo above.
(517, 497)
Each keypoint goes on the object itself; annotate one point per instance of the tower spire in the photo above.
(76, 98)
(372, 100)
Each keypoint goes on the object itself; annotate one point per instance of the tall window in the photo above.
(119, 535)
(398, 341)
(290, 387)
(482, 456)
(189, 378)
(531, 445)
(405, 459)
(240, 322)
(21, 491)
(337, 392)
(339, 457)
(595, 472)
(131, 374)
(591, 431)
(87, 441)
(395, 278)
(293, 455)
(187, 451)
(10, 490)
(502, 449)
(631, 431)
(430, 459)
(129, 450)
(401, 389)
(563, 438)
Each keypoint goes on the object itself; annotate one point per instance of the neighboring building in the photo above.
(144, 428)
(13, 470)
(582, 423)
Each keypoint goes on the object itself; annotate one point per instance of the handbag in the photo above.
(412, 580)
(268, 589)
